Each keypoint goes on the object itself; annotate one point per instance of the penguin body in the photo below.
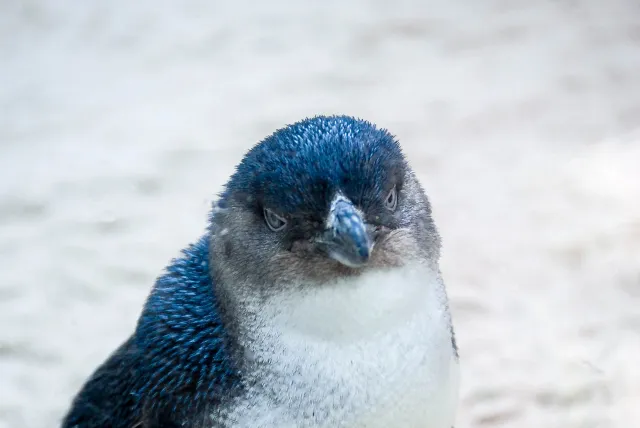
(314, 299)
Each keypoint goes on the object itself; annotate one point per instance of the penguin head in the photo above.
(322, 198)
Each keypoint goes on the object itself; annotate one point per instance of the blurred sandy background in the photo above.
(120, 120)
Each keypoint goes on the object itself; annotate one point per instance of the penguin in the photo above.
(313, 298)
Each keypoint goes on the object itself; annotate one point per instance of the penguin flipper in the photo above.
(107, 398)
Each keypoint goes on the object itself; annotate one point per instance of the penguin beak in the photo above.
(346, 238)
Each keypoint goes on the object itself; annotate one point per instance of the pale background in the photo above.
(120, 121)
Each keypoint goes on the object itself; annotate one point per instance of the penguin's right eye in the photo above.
(274, 221)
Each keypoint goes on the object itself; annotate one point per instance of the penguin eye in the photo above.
(274, 221)
(392, 199)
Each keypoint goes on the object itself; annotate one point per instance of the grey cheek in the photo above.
(227, 247)
(302, 246)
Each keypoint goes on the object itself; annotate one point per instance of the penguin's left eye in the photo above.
(274, 221)
(391, 202)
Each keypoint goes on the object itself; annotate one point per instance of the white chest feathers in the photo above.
(373, 351)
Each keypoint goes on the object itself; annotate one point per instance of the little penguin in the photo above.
(313, 298)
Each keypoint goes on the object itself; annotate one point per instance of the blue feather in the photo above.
(297, 168)
(175, 365)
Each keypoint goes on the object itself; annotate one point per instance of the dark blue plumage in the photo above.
(176, 363)
(298, 168)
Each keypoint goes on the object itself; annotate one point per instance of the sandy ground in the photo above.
(119, 122)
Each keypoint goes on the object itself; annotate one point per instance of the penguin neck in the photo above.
(343, 312)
